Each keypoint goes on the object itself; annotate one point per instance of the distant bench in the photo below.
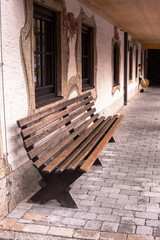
(63, 142)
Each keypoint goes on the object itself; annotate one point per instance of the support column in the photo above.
(125, 67)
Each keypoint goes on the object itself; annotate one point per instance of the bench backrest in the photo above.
(48, 132)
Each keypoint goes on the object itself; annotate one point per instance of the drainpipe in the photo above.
(5, 148)
(125, 68)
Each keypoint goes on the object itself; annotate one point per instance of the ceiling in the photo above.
(140, 18)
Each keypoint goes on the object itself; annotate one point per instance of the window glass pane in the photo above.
(47, 70)
(36, 34)
(37, 70)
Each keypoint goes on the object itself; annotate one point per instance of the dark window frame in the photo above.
(116, 63)
(130, 63)
(87, 33)
(136, 63)
(46, 92)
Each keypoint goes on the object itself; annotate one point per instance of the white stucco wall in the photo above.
(16, 105)
(13, 77)
(105, 33)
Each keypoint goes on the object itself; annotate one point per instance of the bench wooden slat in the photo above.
(42, 160)
(68, 151)
(92, 144)
(71, 158)
(38, 149)
(91, 159)
(64, 154)
(52, 118)
(37, 116)
(52, 127)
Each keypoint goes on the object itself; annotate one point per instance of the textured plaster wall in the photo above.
(22, 174)
(104, 36)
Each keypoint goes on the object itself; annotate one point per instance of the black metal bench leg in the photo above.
(57, 187)
(112, 140)
(97, 162)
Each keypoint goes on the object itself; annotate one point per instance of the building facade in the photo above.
(52, 51)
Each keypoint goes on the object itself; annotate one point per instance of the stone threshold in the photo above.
(10, 229)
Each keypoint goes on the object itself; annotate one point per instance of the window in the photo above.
(87, 57)
(130, 62)
(116, 54)
(136, 63)
(45, 55)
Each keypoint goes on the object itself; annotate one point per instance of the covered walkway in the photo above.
(119, 201)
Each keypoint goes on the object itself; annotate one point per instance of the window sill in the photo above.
(87, 88)
(48, 101)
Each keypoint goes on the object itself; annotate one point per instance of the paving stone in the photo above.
(54, 219)
(130, 220)
(100, 210)
(73, 221)
(7, 223)
(62, 232)
(112, 236)
(25, 221)
(90, 235)
(24, 205)
(147, 215)
(62, 212)
(108, 218)
(80, 215)
(89, 203)
(109, 227)
(157, 233)
(32, 228)
(139, 237)
(125, 213)
(35, 216)
(153, 223)
(144, 230)
(153, 210)
(134, 208)
(93, 225)
(17, 213)
(126, 228)
(18, 227)
(105, 200)
(40, 210)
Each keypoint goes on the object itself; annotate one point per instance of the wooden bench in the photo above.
(63, 142)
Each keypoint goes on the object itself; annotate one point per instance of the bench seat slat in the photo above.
(52, 127)
(69, 159)
(42, 160)
(37, 116)
(91, 159)
(92, 144)
(64, 154)
(40, 148)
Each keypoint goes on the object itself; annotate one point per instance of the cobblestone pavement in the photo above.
(119, 201)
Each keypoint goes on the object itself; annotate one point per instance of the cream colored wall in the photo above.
(14, 84)
(16, 103)
(105, 33)
(18, 169)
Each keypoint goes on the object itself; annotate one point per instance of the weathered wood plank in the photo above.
(70, 160)
(71, 148)
(37, 116)
(54, 126)
(40, 148)
(92, 144)
(48, 120)
(93, 156)
(42, 160)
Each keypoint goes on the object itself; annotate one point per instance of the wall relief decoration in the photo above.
(27, 51)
